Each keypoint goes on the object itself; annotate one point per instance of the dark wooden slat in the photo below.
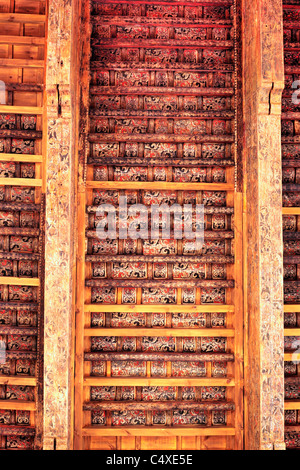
(219, 259)
(157, 405)
(19, 306)
(291, 187)
(152, 90)
(20, 134)
(19, 256)
(17, 330)
(170, 22)
(159, 162)
(207, 67)
(208, 235)
(170, 138)
(20, 231)
(105, 43)
(156, 284)
(19, 206)
(10, 430)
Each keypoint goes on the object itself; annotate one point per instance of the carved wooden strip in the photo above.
(158, 405)
(19, 134)
(19, 256)
(27, 232)
(291, 187)
(171, 22)
(161, 43)
(159, 162)
(19, 306)
(17, 330)
(155, 284)
(19, 206)
(10, 430)
(150, 90)
(20, 355)
(145, 113)
(208, 235)
(96, 138)
(159, 356)
(207, 209)
(161, 259)
(98, 65)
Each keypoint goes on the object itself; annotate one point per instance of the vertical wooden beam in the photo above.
(59, 236)
(263, 85)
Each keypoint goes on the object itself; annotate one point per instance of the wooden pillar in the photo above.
(263, 71)
(60, 226)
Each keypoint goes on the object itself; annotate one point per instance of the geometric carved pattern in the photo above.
(159, 325)
(21, 223)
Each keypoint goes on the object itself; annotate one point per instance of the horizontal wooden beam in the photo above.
(208, 210)
(158, 382)
(158, 356)
(26, 40)
(21, 109)
(291, 308)
(17, 405)
(292, 332)
(97, 431)
(295, 357)
(155, 185)
(159, 308)
(16, 157)
(291, 405)
(21, 18)
(162, 332)
(22, 63)
(291, 210)
(15, 380)
(19, 281)
(157, 405)
(20, 182)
